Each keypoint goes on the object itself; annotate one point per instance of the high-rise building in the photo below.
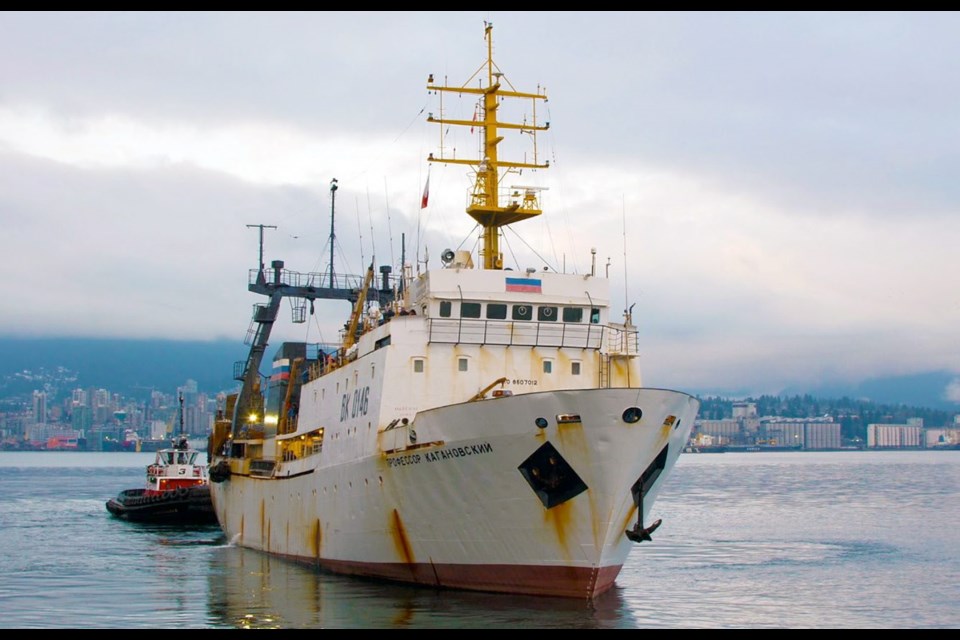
(40, 407)
(102, 413)
(81, 419)
(79, 398)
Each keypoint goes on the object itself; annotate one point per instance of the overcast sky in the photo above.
(777, 193)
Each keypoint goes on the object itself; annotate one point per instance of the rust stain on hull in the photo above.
(667, 427)
(595, 521)
(572, 436)
(631, 518)
(400, 541)
(619, 373)
(560, 518)
(315, 542)
(264, 537)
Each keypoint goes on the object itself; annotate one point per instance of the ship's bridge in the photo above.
(470, 306)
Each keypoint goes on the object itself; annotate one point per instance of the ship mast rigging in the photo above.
(485, 200)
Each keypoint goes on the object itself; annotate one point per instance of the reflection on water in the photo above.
(249, 589)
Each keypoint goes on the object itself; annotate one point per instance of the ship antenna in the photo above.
(261, 278)
(626, 295)
(333, 199)
(485, 206)
(386, 200)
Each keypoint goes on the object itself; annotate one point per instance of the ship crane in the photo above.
(277, 283)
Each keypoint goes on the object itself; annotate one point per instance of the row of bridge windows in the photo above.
(498, 311)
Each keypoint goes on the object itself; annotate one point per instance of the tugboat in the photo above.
(177, 489)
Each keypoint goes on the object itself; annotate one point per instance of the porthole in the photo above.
(632, 414)
(541, 422)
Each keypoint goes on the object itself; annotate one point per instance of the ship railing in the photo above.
(623, 341)
(527, 334)
(311, 279)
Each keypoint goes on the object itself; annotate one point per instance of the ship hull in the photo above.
(188, 505)
(473, 496)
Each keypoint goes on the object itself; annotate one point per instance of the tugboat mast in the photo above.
(485, 205)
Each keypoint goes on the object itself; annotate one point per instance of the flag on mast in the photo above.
(426, 193)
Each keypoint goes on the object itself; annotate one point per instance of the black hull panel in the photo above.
(182, 506)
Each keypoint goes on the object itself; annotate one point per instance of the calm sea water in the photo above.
(802, 540)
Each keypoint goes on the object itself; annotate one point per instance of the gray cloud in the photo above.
(786, 179)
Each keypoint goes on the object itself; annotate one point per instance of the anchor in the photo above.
(639, 533)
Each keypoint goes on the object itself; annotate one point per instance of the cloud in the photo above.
(774, 192)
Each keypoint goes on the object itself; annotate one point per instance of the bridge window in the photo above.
(445, 306)
(548, 366)
(496, 311)
(469, 309)
(522, 312)
(594, 316)
(572, 314)
(462, 364)
(575, 368)
(547, 314)
(418, 365)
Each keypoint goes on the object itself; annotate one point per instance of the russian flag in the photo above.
(281, 370)
(524, 285)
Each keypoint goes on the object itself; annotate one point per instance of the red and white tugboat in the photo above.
(177, 489)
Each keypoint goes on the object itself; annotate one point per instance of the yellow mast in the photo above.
(485, 205)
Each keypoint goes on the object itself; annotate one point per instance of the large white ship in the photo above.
(478, 428)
